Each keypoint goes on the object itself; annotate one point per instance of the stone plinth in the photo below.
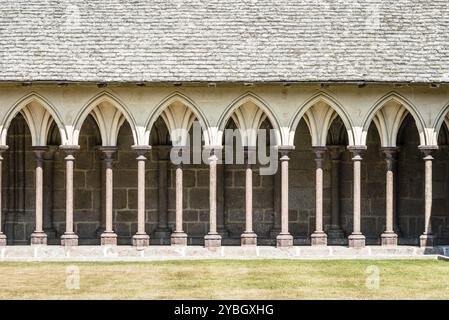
(248, 239)
(38, 238)
(356, 241)
(284, 240)
(178, 239)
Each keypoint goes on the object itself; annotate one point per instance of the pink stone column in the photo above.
(212, 239)
(109, 237)
(69, 238)
(319, 237)
(2, 235)
(389, 237)
(284, 238)
(39, 237)
(249, 237)
(357, 239)
(427, 239)
(141, 238)
(179, 237)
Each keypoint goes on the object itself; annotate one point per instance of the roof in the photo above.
(224, 40)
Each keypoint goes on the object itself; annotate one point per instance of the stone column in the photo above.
(249, 237)
(109, 237)
(284, 238)
(69, 238)
(179, 237)
(319, 237)
(162, 232)
(335, 232)
(48, 192)
(39, 237)
(2, 235)
(389, 237)
(427, 239)
(141, 238)
(357, 239)
(212, 239)
(221, 191)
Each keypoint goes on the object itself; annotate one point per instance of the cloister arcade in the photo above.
(87, 165)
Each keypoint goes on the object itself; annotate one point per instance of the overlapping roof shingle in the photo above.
(224, 40)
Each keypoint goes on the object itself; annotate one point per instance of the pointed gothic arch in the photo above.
(39, 115)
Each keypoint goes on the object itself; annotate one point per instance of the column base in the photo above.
(318, 238)
(356, 241)
(284, 240)
(141, 240)
(69, 239)
(389, 239)
(38, 238)
(212, 240)
(178, 238)
(427, 240)
(2, 239)
(108, 239)
(248, 239)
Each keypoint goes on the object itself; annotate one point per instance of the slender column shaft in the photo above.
(356, 239)
(319, 195)
(109, 195)
(389, 237)
(427, 239)
(69, 238)
(249, 238)
(318, 237)
(212, 239)
(38, 236)
(179, 198)
(39, 193)
(69, 193)
(284, 194)
(2, 235)
(141, 238)
(213, 194)
(108, 237)
(428, 194)
(179, 237)
(248, 198)
(284, 238)
(141, 193)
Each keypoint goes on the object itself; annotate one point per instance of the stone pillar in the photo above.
(427, 239)
(276, 227)
(179, 237)
(335, 232)
(249, 237)
(319, 237)
(39, 237)
(48, 192)
(69, 238)
(109, 237)
(357, 239)
(162, 232)
(284, 238)
(2, 235)
(141, 238)
(389, 237)
(212, 239)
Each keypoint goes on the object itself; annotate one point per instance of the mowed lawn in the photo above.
(227, 279)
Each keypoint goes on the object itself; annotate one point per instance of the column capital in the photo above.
(3, 148)
(427, 151)
(40, 150)
(250, 154)
(69, 149)
(214, 152)
(357, 152)
(141, 150)
(284, 151)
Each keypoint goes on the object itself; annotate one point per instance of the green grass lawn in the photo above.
(228, 279)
